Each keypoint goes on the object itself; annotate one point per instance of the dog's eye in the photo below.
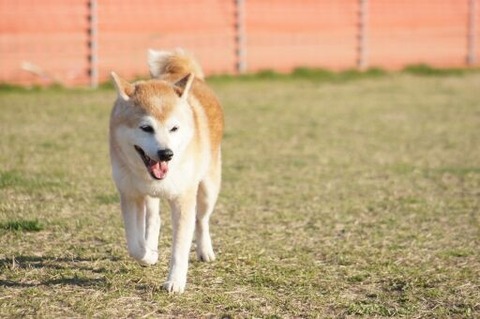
(147, 128)
(174, 129)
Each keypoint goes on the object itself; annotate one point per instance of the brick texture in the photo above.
(47, 41)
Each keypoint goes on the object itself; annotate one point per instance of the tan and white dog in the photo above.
(165, 136)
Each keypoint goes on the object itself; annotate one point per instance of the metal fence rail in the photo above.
(78, 42)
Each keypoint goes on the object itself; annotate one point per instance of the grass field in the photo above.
(341, 198)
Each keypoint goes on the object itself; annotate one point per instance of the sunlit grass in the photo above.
(340, 198)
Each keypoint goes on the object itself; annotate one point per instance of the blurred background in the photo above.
(78, 42)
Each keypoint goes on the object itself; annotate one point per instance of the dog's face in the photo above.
(161, 141)
(154, 125)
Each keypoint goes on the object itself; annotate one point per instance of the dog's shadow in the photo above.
(75, 271)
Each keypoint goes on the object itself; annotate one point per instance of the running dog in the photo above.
(165, 142)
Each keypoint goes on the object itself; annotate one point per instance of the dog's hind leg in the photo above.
(134, 212)
(206, 199)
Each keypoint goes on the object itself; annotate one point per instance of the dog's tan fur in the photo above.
(141, 123)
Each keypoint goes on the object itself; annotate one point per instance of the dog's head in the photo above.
(152, 123)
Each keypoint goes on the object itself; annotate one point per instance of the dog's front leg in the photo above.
(152, 229)
(134, 218)
(183, 224)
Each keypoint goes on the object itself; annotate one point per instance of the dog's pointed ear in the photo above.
(124, 89)
(184, 85)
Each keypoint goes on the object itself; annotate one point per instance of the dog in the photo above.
(165, 142)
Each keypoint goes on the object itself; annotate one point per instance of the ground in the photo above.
(341, 198)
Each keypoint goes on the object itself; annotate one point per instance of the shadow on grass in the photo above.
(50, 262)
(74, 281)
(58, 264)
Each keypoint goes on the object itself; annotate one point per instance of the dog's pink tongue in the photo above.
(159, 169)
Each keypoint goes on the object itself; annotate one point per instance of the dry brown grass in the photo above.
(340, 199)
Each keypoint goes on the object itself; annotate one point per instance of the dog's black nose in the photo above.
(165, 155)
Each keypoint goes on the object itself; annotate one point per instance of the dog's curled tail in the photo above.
(178, 62)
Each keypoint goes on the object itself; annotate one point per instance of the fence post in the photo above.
(472, 30)
(240, 48)
(93, 43)
(362, 45)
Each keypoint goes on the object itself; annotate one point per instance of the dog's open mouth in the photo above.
(158, 170)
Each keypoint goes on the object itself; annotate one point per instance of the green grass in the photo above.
(302, 73)
(340, 199)
(22, 225)
(427, 70)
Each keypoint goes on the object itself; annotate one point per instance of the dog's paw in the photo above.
(174, 286)
(205, 254)
(148, 258)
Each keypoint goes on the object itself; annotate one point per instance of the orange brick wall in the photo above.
(51, 37)
(128, 28)
(50, 34)
(284, 34)
(411, 31)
